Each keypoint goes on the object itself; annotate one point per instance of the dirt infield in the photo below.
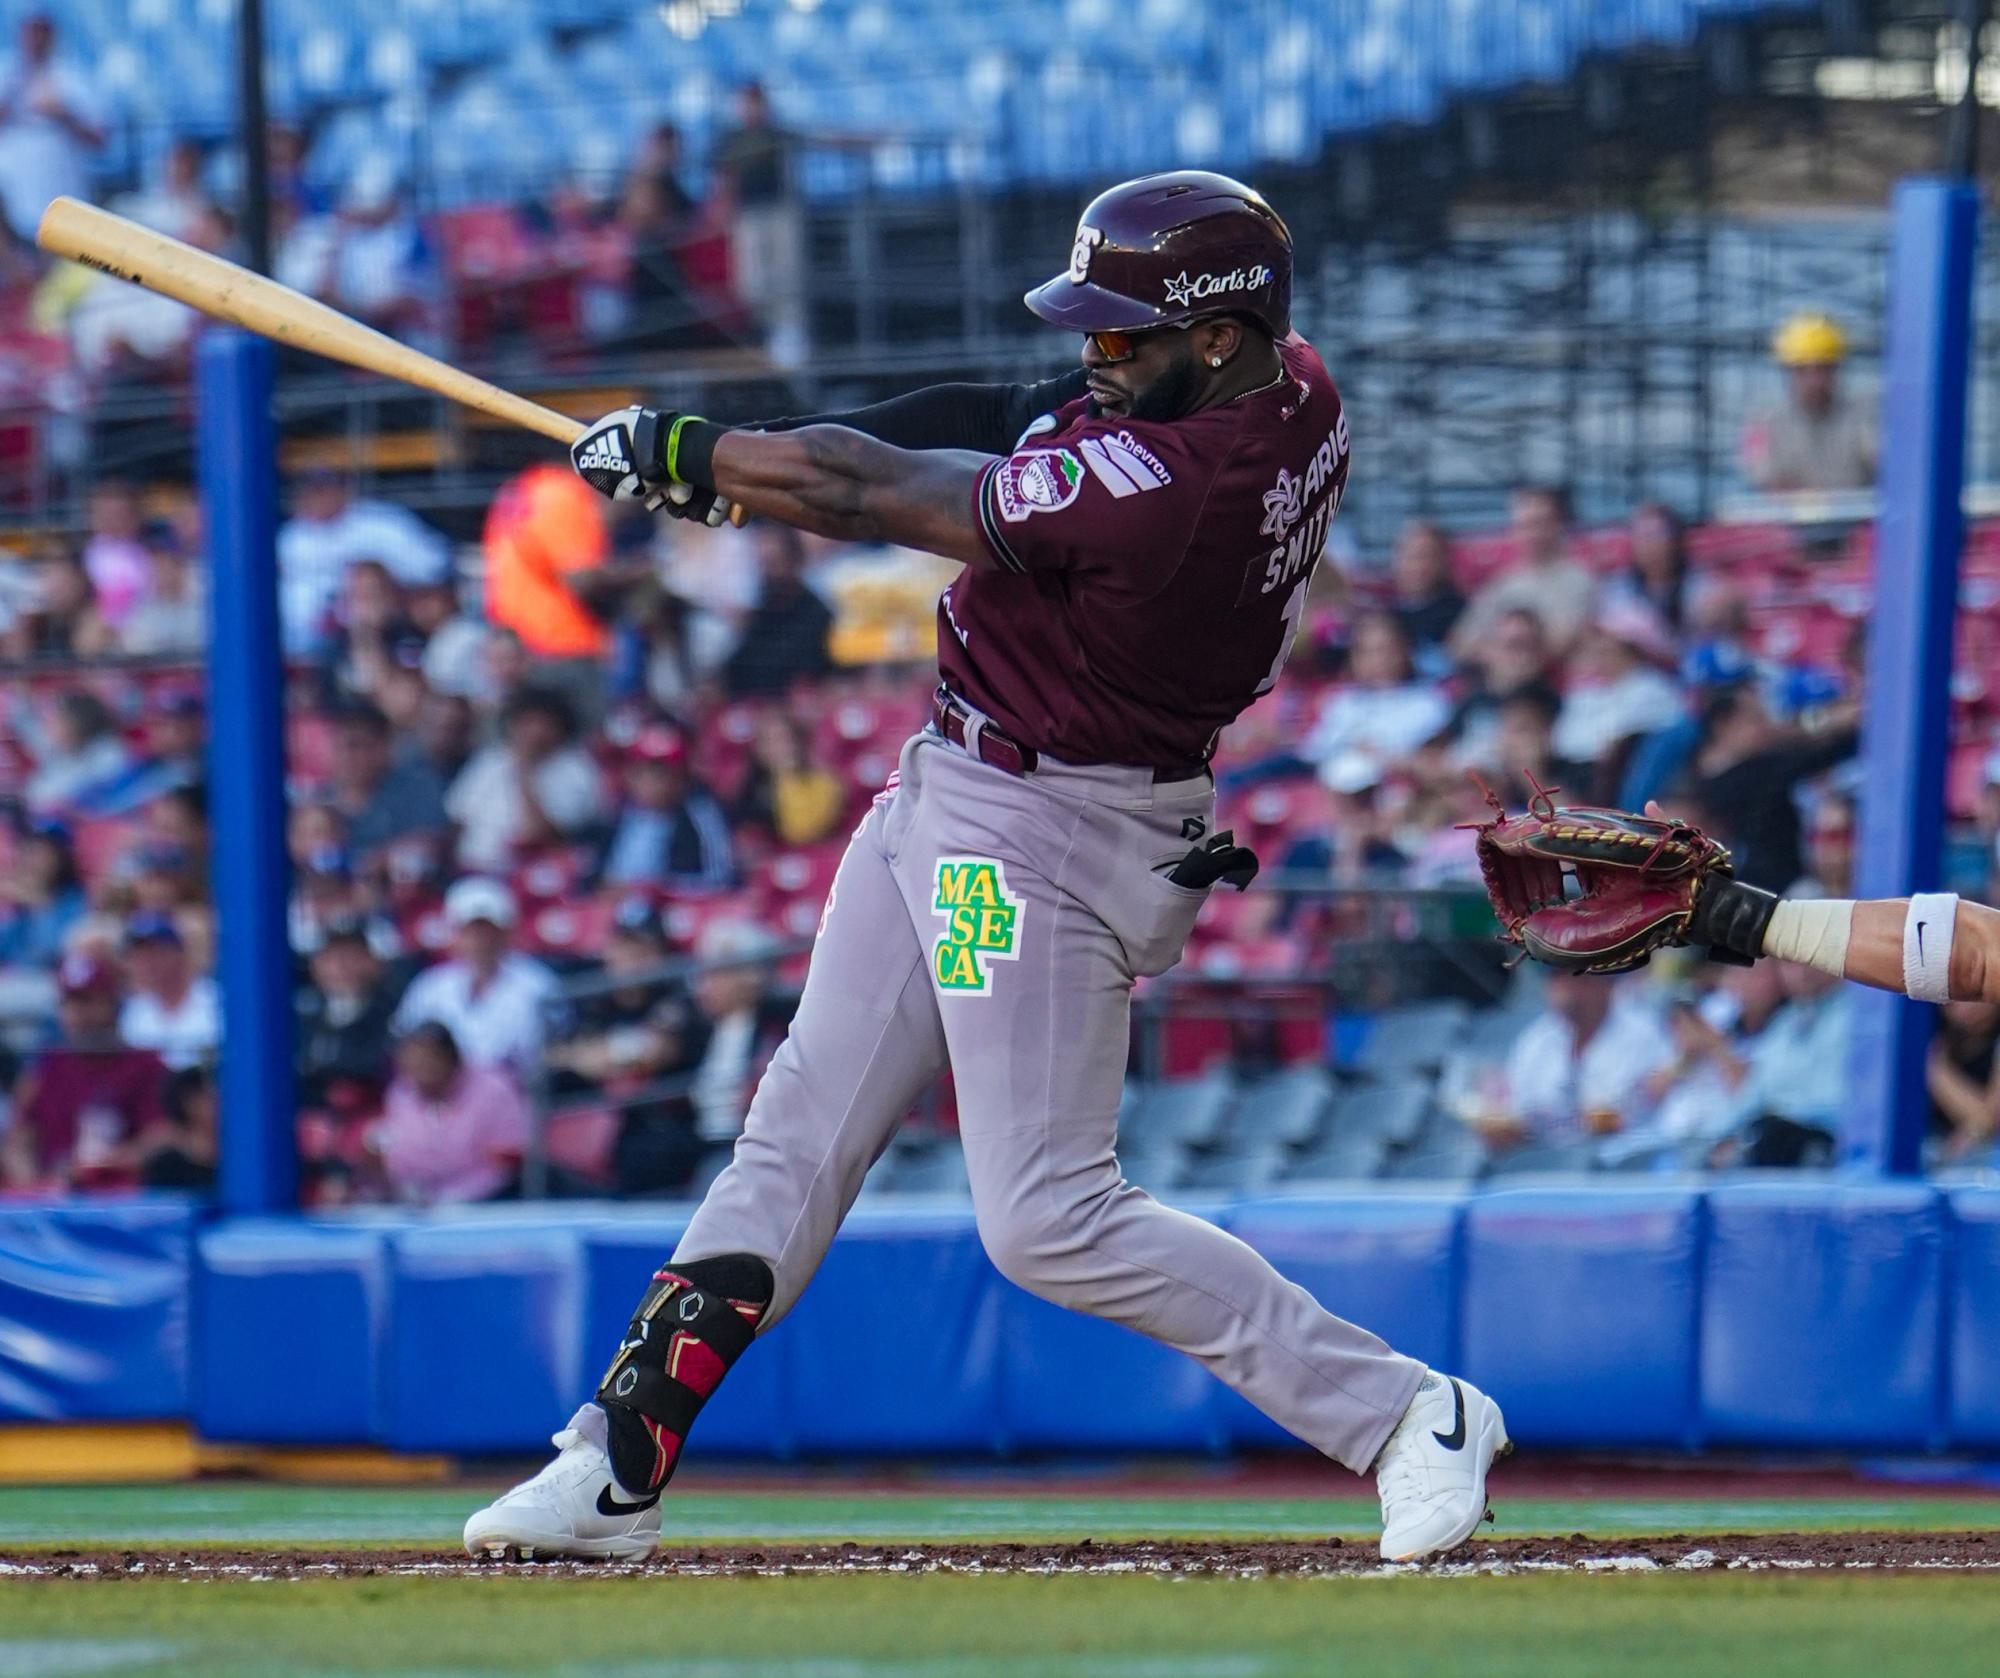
(1691, 1553)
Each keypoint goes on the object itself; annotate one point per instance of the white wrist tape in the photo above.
(1813, 931)
(1927, 931)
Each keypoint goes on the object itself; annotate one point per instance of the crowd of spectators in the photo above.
(477, 820)
(662, 257)
(474, 822)
(560, 869)
(597, 747)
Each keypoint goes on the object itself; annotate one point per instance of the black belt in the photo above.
(1003, 751)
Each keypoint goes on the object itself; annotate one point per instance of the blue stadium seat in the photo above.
(1046, 86)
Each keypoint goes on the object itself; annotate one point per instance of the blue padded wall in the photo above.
(751, 1412)
(1580, 1308)
(1822, 1314)
(1973, 1358)
(1387, 1262)
(94, 1309)
(1073, 1382)
(481, 1352)
(895, 1344)
(1830, 1315)
(288, 1324)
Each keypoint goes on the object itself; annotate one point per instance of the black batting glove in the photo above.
(623, 457)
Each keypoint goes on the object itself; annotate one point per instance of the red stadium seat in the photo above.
(799, 876)
(549, 877)
(1965, 777)
(686, 917)
(575, 927)
(1267, 816)
(1475, 558)
(581, 1141)
(308, 747)
(100, 843)
(1604, 550)
(1716, 546)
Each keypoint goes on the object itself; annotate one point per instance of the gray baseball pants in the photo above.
(998, 922)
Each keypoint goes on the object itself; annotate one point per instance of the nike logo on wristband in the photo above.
(1920, 938)
(609, 1505)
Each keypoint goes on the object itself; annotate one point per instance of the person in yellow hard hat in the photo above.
(1818, 438)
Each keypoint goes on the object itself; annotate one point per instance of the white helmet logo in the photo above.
(1087, 239)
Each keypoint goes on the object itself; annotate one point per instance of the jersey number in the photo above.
(1295, 609)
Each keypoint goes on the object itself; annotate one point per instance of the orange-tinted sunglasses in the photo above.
(1114, 346)
(1123, 346)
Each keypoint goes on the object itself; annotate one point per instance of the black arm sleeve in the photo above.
(987, 419)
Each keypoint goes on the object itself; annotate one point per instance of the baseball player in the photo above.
(1138, 539)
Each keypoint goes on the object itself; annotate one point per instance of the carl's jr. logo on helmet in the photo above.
(1182, 290)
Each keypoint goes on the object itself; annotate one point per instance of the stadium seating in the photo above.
(1036, 90)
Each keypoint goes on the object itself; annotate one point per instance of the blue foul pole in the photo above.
(246, 767)
(1908, 701)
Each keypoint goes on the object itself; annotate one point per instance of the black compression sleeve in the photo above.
(988, 419)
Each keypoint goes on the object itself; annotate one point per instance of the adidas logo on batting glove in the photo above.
(602, 457)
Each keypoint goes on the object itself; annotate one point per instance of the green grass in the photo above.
(245, 1514)
(1657, 1626)
(1766, 1625)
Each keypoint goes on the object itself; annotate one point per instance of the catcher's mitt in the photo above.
(1639, 881)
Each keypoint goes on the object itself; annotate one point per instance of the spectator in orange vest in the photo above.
(545, 544)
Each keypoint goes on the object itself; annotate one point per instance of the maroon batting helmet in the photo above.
(1170, 247)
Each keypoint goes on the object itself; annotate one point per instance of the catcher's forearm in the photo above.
(1875, 948)
(1872, 942)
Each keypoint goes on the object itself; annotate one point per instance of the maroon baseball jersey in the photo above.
(1151, 574)
(83, 1101)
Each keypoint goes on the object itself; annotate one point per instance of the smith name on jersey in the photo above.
(1150, 574)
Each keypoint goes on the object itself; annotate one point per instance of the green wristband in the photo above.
(673, 449)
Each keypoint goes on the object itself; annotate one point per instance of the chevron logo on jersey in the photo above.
(1123, 464)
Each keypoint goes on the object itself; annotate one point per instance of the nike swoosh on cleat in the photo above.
(1452, 1441)
(609, 1505)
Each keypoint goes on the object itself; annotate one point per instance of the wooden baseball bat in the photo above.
(127, 251)
(218, 287)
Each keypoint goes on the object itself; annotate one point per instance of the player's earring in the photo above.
(1215, 361)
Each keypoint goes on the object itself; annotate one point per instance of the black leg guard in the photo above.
(695, 1321)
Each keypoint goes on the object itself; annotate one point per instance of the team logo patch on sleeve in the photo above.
(1036, 481)
(1123, 464)
(982, 923)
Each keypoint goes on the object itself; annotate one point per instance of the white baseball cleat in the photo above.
(1432, 1471)
(573, 1508)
